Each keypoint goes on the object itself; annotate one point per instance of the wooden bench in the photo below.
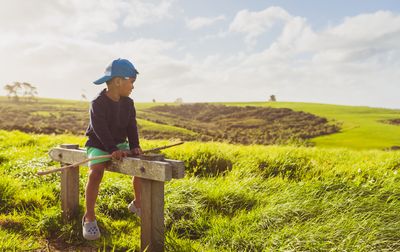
(153, 171)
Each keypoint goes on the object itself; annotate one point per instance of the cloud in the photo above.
(342, 60)
(59, 17)
(201, 22)
(83, 19)
(363, 38)
(253, 24)
(142, 12)
(70, 65)
(57, 47)
(343, 64)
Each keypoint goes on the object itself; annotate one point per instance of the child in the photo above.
(112, 120)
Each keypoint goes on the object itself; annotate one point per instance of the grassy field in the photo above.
(242, 125)
(72, 117)
(362, 127)
(234, 198)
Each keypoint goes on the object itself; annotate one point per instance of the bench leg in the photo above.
(152, 221)
(70, 193)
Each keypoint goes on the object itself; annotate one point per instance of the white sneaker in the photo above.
(133, 209)
(90, 230)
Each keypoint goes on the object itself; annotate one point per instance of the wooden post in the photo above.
(157, 216)
(70, 189)
(152, 221)
(145, 225)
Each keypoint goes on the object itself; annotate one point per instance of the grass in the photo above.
(152, 126)
(47, 116)
(234, 198)
(362, 127)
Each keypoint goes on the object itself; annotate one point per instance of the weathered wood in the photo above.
(157, 216)
(145, 225)
(178, 168)
(154, 170)
(152, 157)
(70, 190)
(70, 156)
(67, 156)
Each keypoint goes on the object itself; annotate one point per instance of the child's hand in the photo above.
(136, 151)
(119, 154)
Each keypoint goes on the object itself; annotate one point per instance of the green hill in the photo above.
(361, 127)
(243, 125)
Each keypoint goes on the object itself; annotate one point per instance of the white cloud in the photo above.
(143, 12)
(200, 22)
(55, 18)
(62, 67)
(56, 46)
(77, 18)
(363, 38)
(339, 64)
(253, 24)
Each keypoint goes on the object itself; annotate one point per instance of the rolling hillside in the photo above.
(361, 127)
(243, 125)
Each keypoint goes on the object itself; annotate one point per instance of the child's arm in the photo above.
(132, 130)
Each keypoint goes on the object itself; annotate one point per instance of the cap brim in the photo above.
(102, 80)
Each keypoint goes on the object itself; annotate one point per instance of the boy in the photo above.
(112, 120)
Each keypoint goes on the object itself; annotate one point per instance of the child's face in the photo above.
(126, 87)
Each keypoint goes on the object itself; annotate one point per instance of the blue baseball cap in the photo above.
(118, 68)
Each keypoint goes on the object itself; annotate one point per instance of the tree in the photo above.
(10, 91)
(29, 91)
(179, 100)
(13, 91)
(24, 89)
(154, 100)
(272, 98)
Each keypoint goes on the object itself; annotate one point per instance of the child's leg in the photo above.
(92, 189)
(137, 188)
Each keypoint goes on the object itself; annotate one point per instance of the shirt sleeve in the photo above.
(132, 131)
(99, 124)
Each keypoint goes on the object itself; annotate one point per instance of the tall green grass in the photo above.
(234, 198)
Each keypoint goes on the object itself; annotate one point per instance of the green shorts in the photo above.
(95, 152)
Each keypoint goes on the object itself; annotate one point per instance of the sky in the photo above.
(337, 52)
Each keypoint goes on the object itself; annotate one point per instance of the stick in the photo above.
(99, 157)
(72, 165)
(163, 147)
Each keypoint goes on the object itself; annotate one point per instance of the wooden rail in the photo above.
(153, 174)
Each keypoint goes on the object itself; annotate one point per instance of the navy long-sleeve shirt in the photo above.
(112, 123)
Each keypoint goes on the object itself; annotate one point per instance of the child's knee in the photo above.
(96, 171)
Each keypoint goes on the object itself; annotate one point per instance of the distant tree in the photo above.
(24, 89)
(154, 100)
(179, 100)
(11, 92)
(272, 98)
(29, 91)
